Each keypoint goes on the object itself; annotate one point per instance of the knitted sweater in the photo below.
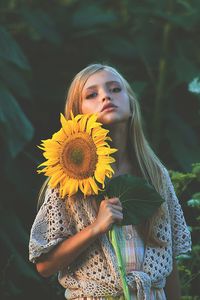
(95, 272)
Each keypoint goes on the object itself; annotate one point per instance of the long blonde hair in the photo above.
(149, 164)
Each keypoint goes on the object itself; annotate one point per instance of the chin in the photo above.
(110, 122)
(107, 121)
(111, 119)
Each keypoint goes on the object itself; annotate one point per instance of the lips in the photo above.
(108, 105)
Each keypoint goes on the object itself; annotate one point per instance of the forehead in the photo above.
(101, 77)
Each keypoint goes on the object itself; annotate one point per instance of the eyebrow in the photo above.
(107, 83)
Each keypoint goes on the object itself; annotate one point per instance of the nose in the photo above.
(106, 98)
(106, 95)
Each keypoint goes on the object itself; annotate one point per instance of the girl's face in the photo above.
(104, 94)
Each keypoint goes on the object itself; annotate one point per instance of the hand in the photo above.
(110, 211)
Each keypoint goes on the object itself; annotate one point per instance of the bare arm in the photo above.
(172, 289)
(110, 211)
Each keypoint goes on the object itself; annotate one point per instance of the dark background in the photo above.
(43, 44)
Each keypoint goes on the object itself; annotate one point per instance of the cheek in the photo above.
(88, 107)
(84, 109)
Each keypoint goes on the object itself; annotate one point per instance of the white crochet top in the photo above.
(95, 273)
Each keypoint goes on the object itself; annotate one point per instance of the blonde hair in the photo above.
(149, 164)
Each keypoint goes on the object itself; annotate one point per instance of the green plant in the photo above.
(186, 186)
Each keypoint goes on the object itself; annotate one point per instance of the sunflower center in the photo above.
(78, 156)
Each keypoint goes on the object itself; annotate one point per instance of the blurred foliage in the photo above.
(155, 44)
(187, 188)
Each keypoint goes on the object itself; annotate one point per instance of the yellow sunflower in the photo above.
(78, 156)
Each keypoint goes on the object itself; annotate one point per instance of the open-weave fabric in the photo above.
(95, 273)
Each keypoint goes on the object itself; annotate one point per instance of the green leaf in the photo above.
(43, 24)
(119, 46)
(138, 87)
(195, 201)
(185, 69)
(11, 51)
(15, 240)
(181, 181)
(186, 19)
(92, 15)
(196, 170)
(20, 263)
(183, 141)
(139, 199)
(14, 79)
(15, 128)
(194, 86)
(183, 257)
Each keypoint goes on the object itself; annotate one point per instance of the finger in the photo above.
(116, 207)
(116, 212)
(114, 201)
(117, 217)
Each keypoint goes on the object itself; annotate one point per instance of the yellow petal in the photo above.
(73, 186)
(98, 130)
(83, 122)
(99, 174)
(59, 135)
(93, 185)
(78, 117)
(105, 150)
(81, 185)
(57, 178)
(92, 123)
(65, 187)
(83, 127)
(66, 125)
(87, 188)
(106, 159)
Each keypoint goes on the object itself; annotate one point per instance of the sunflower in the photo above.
(78, 156)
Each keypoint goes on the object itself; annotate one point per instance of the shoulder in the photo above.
(52, 194)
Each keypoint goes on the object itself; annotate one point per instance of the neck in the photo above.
(120, 141)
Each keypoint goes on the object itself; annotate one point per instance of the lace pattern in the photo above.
(181, 239)
(52, 225)
(95, 273)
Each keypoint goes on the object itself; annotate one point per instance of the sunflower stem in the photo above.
(114, 241)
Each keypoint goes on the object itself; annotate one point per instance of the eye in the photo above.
(116, 90)
(91, 95)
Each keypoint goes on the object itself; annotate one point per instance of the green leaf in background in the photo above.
(152, 42)
(14, 79)
(183, 140)
(43, 24)
(195, 201)
(139, 199)
(180, 64)
(181, 181)
(15, 241)
(92, 15)
(138, 87)
(194, 86)
(196, 170)
(15, 128)
(119, 46)
(11, 51)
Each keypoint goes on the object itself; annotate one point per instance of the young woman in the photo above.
(69, 237)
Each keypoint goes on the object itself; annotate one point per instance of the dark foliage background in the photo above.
(43, 44)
